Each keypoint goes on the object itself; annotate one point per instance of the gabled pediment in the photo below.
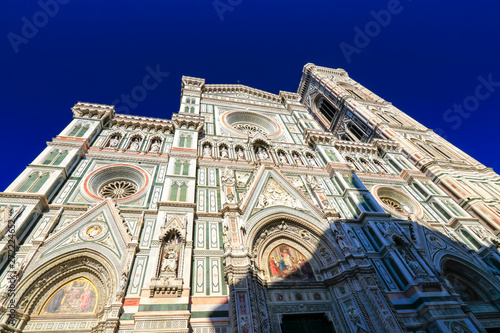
(270, 190)
(100, 228)
(238, 91)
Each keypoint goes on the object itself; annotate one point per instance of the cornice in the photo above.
(355, 147)
(93, 111)
(127, 156)
(314, 136)
(192, 81)
(233, 102)
(26, 198)
(233, 88)
(188, 121)
(142, 123)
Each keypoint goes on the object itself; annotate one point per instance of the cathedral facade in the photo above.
(325, 210)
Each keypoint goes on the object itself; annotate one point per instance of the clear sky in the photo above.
(423, 56)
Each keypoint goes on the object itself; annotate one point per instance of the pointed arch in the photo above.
(174, 191)
(75, 129)
(189, 139)
(47, 288)
(183, 193)
(83, 131)
(29, 182)
(61, 157)
(51, 157)
(39, 183)
(471, 282)
(288, 229)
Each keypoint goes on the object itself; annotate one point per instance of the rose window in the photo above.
(119, 182)
(393, 204)
(396, 202)
(118, 189)
(250, 129)
(251, 123)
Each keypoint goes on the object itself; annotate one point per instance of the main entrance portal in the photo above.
(306, 323)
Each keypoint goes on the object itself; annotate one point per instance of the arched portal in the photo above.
(71, 293)
(473, 286)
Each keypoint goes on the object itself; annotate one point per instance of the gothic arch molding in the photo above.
(473, 275)
(267, 216)
(39, 285)
(310, 241)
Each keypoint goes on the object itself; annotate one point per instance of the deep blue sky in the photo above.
(426, 59)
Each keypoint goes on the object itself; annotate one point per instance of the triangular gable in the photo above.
(100, 227)
(436, 241)
(271, 189)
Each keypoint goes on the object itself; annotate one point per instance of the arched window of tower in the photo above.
(326, 109)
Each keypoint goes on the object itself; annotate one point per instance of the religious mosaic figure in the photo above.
(94, 231)
(76, 297)
(286, 263)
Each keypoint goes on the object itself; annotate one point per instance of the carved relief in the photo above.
(274, 194)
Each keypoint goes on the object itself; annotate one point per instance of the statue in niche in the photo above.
(297, 159)
(224, 152)
(480, 232)
(342, 243)
(311, 160)
(354, 240)
(225, 237)
(207, 150)
(134, 146)
(170, 262)
(170, 256)
(240, 153)
(413, 264)
(114, 141)
(123, 282)
(155, 146)
(282, 157)
(262, 153)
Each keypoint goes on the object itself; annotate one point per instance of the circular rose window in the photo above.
(396, 202)
(118, 182)
(250, 123)
(118, 189)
